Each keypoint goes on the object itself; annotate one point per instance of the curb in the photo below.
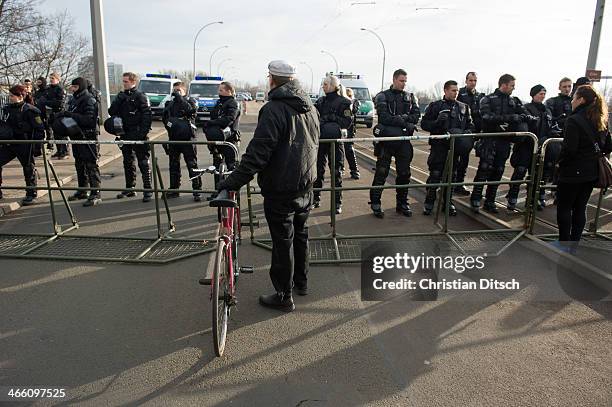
(9, 207)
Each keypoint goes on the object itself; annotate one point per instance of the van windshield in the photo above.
(362, 93)
(160, 88)
(205, 90)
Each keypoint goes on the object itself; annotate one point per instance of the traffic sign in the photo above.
(593, 75)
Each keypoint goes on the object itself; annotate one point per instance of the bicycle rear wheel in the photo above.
(220, 298)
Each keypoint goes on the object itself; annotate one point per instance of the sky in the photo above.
(537, 41)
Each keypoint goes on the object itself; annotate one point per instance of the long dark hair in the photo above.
(596, 109)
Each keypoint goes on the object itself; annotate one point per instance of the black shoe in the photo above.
(93, 200)
(490, 207)
(300, 290)
(146, 197)
(126, 194)
(541, 204)
(427, 208)
(316, 203)
(377, 210)
(475, 205)
(28, 200)
(404, 209)
(452, 211)
(460, 190)
(338, 209)
(511, 204)
(355, 175)
(280, 301)
(197, 197)
(170, 195)
(77, 196)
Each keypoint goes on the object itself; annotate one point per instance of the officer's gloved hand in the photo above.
(410, 128)
(526, 118)
(176, 95)
(442, 117)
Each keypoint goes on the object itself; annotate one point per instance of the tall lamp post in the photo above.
(211, 57)
(382, 81)
(194, 42)
(221, 63)
(333, 57)
(311, 75)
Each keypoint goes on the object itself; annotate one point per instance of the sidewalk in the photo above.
(12, 174)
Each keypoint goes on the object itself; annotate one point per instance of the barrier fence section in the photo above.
(338, 248)
(540, 183)
(60, 245)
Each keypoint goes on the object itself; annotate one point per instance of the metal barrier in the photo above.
(594, 229)
(343, 249)
(162, 249)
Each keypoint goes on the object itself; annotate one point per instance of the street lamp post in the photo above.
(333, 57)
(382, 82)
(221, 63)
(211, 57)
(194, 42)
(311, 75)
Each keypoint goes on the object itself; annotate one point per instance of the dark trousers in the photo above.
(522, 155)
(553, 150)
(287, 221)
(61, 149)
(24, 153)
(190, 157)
(349, 152)
(323, 159)
(436, 162)
(572, 201)
(463, 148)
(86, 164)
(493, 155)
(403, 152)
(131, 154)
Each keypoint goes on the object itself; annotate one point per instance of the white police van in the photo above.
(158, 88)
(205, 90)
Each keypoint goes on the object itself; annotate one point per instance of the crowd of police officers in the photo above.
(42, 113)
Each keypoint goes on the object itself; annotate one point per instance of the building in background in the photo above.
(114, 76)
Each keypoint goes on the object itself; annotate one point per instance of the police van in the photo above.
(205, 90)
(361, 92)
(158, 88)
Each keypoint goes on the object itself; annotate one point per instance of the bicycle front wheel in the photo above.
(220, 298)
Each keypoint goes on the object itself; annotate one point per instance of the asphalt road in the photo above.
(117, 334)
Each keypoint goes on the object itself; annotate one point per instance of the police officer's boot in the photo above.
(430, 200)
(461, 190)
(355, 174)
(542, 200)
(93, 199)
(81, 181)
(130, 180)
(452, 211)
(490, 206)
(316, 201)
(403, 208)
(377, 209)
(174, 184)
(279, 301)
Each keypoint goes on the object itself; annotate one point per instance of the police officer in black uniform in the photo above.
(134, 109)
(179, 117)
(349, 151)
(283, 153)
(500, 113)
(441, 117)
(83, 109)
(471, 97)
(224, 126)
(398, 113)
(52, 101)
(561, 105)
(21, 121)
(539, 122)
(335, 118)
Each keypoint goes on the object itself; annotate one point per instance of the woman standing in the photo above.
(586, 138)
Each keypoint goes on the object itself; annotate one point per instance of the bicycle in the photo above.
(226, 269)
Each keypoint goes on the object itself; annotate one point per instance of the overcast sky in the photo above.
(538, 41)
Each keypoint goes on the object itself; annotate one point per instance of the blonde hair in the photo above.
(333, 81)
(349, 92)
(55, 75)
(596, 109)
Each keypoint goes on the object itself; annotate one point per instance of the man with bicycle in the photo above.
(283, 152)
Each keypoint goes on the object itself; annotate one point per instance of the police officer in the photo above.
(52, 101)
(398, 113)
(83, 109)
(335, 118)
(441, 117)
(561, 105)
(133, 107)
(349, 151)
(539, 123)
(500, 113)
(224, 126)
(283, 152)
(21, 121)
(471, 97)
(179, 117)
